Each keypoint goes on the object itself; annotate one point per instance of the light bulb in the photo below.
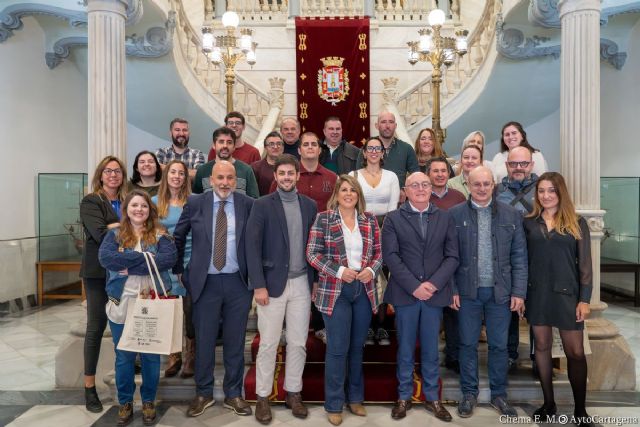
(436, 17)
(208, 41)
(215, 56)
(230, 19)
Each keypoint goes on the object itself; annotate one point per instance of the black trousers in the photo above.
(96, 322)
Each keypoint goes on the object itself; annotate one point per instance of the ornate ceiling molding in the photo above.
(609, 52)
(157, 42)
(545, 12)
(11, 17)
(633, 7)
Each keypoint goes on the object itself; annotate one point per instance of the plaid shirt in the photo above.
(326, 253)
(192, 157)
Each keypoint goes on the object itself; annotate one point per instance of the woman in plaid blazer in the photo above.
(344, 246)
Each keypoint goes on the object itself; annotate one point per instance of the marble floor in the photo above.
(28, 396)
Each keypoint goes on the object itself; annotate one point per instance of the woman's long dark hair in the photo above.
(524, 143)
(135, 178)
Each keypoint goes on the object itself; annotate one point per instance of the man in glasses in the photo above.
(263, 169)
(244, 151)
(518, 189)
(490, 282)
(338, 155)
(420, 248)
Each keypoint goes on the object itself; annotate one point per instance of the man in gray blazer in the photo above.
(276, 239)
(420, 248)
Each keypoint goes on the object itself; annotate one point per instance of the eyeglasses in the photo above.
(417, 185)
(234, 123)
(375, 149)
(523, 164)
(112, 171)
(482, 184)
(274, 144)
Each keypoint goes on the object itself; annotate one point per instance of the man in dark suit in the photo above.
(276, 239)
(216, 279)
(420, 248)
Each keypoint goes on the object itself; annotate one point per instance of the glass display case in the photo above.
(620, 197)
(60, 234)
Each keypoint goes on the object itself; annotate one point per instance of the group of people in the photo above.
(307, 232)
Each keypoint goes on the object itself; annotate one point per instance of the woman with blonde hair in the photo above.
(99, 211)
(470, 158)
(476, 138)
(175, 188)
(121, 254)
(560, 284)
(344, 246)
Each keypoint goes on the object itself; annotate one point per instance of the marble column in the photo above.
(107, 81)
(611, 365)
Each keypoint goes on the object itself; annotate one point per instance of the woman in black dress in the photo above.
(560, 277)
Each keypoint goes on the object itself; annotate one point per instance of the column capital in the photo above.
(114, 6)
(594, 218)
(566, 7)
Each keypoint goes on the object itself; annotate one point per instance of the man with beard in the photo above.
(518, 189)
(399, 156)
(224, 140)
(243, 151)
(192, 157)
(216, 279)
(282, 280)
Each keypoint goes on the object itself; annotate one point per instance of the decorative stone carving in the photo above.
(512, 43)
(390, 90)
(609, 52)
(11, 17)
(544, 13)
(157, 42)
(276, 94)
(61, 50)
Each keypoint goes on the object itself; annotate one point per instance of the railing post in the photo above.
(294, 8)
(369, 8)
(220, 7)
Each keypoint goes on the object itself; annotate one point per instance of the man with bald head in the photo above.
(216, 280)
(420, 248)
(399, 156)
(491, 281)
(518, 189)
(290, 131)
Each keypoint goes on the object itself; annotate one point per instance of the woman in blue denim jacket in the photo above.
(128, 277)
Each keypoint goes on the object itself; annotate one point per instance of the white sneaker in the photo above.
(322, 335)
(370, 337)
(382, 336)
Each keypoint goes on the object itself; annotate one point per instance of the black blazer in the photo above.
(197, 216)
(96, 213)
(267, 241)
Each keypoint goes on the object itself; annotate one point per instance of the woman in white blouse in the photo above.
(381, 190)
(513, 135)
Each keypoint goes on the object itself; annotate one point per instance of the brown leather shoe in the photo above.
(148, 413)
(173, 365)
(437, 409)
(188, 358)
(238, 405)
(125, 414)
(400, 409)
(198, 405)
(334, 418)
(293, 401)
(263, 410)
(357, 409)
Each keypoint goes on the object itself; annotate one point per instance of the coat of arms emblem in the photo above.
(333, 80)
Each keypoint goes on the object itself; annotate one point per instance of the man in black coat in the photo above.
(338, 155)
(420, 248)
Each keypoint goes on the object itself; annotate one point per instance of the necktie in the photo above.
(220, 243)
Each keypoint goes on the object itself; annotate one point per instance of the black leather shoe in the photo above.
(91, 400)
(125, 414)
(544, 414)
(198, 405)
(400, 409)
(238, 405)
(438, 410)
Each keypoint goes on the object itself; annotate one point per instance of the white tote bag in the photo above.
(153, 325)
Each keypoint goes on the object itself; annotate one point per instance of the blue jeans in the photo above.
(497, 318)
(418, 320)
(346, 334)
(125, 371)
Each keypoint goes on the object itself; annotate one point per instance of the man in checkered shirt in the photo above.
(179, 150)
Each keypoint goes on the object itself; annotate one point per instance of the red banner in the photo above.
(332, 68)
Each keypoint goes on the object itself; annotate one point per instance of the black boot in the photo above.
(91, 400)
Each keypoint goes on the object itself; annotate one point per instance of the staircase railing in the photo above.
(249, 99)
(414, 104)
